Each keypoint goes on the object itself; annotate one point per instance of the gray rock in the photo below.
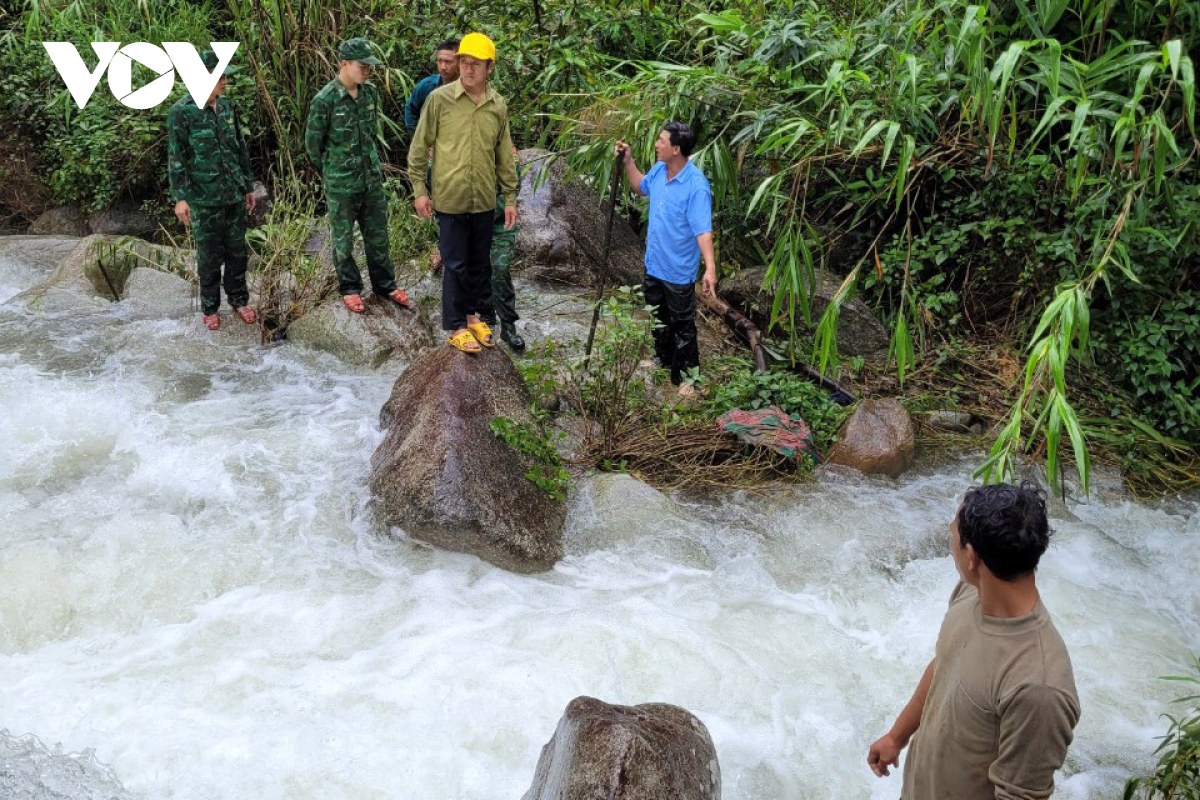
(61, 221)
(122, 220)
(444, 478)
(263, 203)
(878, 439)
(653, 751)
(949, 421)
(859, 332)
(385, 331)
(159, 294)
(39, 252)
(96, 267)
(562, 229)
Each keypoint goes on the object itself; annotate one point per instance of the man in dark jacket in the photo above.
(211, 184)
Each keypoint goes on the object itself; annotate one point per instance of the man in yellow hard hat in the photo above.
(465, 125)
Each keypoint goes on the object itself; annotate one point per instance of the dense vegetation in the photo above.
(1019, 176)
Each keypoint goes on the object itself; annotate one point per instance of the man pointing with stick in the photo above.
(678, 236)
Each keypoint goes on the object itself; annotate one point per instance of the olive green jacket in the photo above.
(472, 151)
(340, 137)
(207, 160)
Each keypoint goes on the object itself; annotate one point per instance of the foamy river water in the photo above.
(194, 603)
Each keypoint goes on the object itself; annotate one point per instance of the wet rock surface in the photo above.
(442, 476)
(383, 332)
(878, 439)
(653, 751)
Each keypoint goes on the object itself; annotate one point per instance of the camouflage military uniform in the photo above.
(340, 140)
(209, 167)
(504, 296)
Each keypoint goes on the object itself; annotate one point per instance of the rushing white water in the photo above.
(191, 586)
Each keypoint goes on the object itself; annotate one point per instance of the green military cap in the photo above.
(210, 62)
(357, 50)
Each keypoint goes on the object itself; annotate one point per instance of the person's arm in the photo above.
(885, 751)
(412, 109)
(506, 173)
(244, 161)
(418, 156)
(1036, 727)
(709, 281)
(316, 131)
(632, 173)
(178, 157)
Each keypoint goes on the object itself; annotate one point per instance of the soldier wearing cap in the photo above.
(213, 188)
(465, 124)
(340, 140)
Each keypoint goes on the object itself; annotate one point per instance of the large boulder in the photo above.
(562, 229)
(61, 221)
(859, 333)
(383, 332)
(878, 439)
(123, 219)
(444, 478)
(96, 270)
(653, 751)
(42, 252)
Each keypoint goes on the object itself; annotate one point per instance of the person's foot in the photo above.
(400, 298)
(509, 335)
(247, 314)
(354, 303)
(687, 392)
(212, 321)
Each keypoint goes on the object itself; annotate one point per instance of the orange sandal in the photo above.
(482, 332)
(354, 303)
(400, 298)
(212, 321)
(247, 314)
(465, 340)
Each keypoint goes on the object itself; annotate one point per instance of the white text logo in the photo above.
(118, 60)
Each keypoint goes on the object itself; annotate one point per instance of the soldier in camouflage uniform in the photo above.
(504, 296)
(211, 184)
(340, 140)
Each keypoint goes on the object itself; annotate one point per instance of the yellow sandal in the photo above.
(465, 341)
(482, 333)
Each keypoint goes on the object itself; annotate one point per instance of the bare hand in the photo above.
(510, 217)
(183, 212)
(884, 753)
(621, 150)
(424, 207)
(709, 283)
(251, 201)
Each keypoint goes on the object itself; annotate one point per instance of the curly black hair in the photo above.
(1007, 527)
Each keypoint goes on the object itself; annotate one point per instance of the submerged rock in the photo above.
(40, 252)
(444, 478)
(563, 227)
(878, 439)
(653, 751)
(383, 332)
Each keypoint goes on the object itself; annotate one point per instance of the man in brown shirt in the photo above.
(997, 706)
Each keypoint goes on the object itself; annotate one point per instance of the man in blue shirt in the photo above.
(447, 72)
(678, 236)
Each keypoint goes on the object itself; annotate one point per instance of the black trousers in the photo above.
(675, 341)
(465, 242)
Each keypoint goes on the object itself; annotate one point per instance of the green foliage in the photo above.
(548, 472)
(1177, 774)
(92, 156)
(744, 388)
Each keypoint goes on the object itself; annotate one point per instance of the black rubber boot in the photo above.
(509, 335)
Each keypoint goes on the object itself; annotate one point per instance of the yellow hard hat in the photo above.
(478, 46)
